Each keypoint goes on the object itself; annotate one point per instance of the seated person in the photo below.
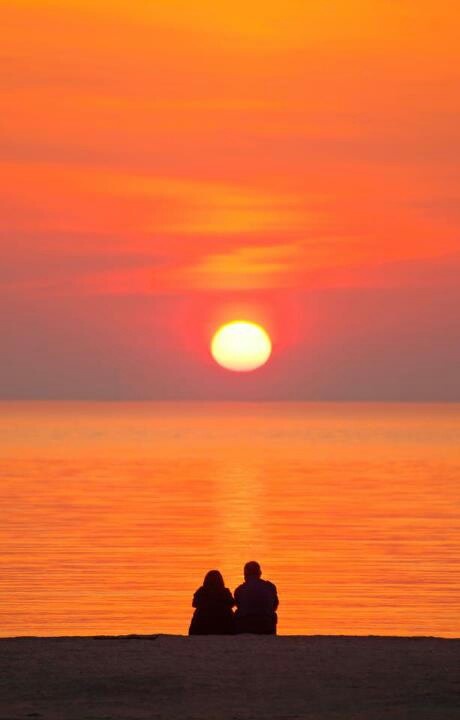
(213, 602)
(256, 603)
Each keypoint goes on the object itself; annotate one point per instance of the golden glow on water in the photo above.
(112, 514)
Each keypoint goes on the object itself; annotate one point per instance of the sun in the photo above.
(241, 346)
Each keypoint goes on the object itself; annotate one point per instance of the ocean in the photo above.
(113, 512)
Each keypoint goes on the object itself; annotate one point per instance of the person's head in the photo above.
(213, 580)
(252, 569)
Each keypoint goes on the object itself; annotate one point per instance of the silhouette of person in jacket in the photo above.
(213, 604)
(256, 603)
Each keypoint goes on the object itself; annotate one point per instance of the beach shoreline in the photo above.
(245, 677)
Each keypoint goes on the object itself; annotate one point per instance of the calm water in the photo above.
(111, 514)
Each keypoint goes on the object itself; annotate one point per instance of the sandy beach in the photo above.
(230, 678)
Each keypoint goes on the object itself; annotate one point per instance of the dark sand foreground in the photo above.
(230, 678)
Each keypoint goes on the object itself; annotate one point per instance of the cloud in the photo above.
(244, 268)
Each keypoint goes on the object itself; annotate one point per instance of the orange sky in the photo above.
(248, 150)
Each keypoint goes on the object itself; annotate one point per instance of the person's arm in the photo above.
(196, 599)
(276, 601)
(229, 598)
(237, 596)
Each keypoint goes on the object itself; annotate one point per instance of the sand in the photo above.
(230, 678)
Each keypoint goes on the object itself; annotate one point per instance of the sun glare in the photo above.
(241, 346)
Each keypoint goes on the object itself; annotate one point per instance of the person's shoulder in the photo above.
(197, 597)
(271, 585)
(240, 587)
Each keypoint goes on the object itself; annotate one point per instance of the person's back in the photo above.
(213, 604)
(256, 603)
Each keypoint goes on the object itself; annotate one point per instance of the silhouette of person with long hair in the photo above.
(256, 603)
(213, 604)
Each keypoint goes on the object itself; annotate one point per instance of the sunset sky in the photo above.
(170, 166)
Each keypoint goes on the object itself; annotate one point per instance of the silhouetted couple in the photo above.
(256, 602)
